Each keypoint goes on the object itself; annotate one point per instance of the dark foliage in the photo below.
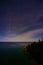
(36, 51)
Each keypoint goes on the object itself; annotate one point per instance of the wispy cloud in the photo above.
(21, 20)
(24, 37)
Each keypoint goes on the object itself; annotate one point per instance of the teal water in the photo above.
(16, 57)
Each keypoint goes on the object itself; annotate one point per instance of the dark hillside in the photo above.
(36, 51)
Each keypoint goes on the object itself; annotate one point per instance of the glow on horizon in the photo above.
(24, 37)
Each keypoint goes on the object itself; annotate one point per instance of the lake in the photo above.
(13, 54)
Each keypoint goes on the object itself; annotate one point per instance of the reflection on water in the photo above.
(13, 55)
(12, 44)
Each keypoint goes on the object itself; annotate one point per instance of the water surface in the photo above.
(13, 54)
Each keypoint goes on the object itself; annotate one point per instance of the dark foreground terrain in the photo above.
(36, 51)
(15, 57)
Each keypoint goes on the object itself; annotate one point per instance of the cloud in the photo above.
(24, 37)
(21, 21)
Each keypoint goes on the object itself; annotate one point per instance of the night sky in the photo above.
(21, 20)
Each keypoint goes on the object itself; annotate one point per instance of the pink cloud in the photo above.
(25, 37)
(34, 32)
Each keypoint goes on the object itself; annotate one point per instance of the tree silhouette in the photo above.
(36, 51)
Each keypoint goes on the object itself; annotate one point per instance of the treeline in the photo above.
(36, 51)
